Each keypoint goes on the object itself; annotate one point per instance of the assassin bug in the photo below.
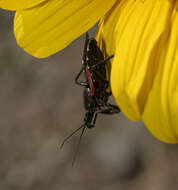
(96, 93)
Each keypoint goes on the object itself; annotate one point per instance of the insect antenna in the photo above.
(78, 145)
(67, 138)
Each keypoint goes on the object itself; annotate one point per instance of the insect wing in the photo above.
(94, 54)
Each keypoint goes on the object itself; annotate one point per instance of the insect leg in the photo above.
(109, 109)
(102, 62)
(114, 108)
(77, 81)
(90, 119)
(94, 120)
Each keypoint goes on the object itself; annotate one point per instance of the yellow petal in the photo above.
(161, 111)
(46, 29)
(19, 4)
(138, 26)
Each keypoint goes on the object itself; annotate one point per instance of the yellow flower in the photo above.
(143, 36)
(43, 27)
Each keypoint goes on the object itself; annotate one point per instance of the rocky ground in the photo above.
(40, 105)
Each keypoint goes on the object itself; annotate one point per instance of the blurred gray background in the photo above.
(40, 105)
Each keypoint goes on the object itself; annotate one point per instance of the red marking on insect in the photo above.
(90, 81)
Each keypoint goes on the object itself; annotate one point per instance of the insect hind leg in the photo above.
(102, 62)
(109, 109)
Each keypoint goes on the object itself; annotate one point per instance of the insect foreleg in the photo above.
(94, 120)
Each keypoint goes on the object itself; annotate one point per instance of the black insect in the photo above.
(96, 86)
